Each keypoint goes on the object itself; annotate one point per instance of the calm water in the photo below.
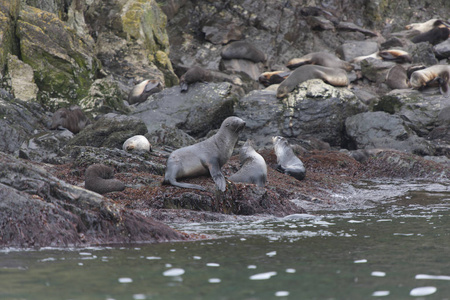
(398, 250)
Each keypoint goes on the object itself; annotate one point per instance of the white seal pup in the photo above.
(206, 157)
(253, 166)
(137, 142)
(287, 161)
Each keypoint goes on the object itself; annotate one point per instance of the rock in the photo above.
(375, 69)
(381, 130)
(242, 65)
(9, 12)
(350, 50)
(422, 53)
(46, 147)
(22, 79)
(442, 50)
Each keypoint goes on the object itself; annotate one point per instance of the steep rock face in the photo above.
(63, 64)
(9, 12)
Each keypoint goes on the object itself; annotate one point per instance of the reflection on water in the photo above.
(396, 250)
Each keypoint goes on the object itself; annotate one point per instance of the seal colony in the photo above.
(206, 157)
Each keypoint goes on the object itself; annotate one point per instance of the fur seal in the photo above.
(437, 75)
(397, 78)
(137, 142)
(72, 118)
(141, 91)
(395, 55)
(433, 36)
(275, 77)
(425, 26)
(244, 50)
(320, 58)
(253, 166)
(192, 75)
(206, 157)
(287, 161)
(336, 77)
(99, 178)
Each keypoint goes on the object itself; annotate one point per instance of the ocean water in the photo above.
(398, 249)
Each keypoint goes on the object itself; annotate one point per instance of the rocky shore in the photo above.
(62, 53)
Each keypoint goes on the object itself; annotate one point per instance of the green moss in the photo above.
(389, 104)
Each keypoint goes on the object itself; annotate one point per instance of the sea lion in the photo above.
(72, 118)
(433, 36)
(287, 161)
(397, 78)
(395, 55)
(333, 76)
(253, 166)
(320, 58)
(437, 75)
(137, 142)
(206, 157)
(275, 77)
(99, 178)
(244, 50)
(192, 75)
(425, 26)
(141, 91)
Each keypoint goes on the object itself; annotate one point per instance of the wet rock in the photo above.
(350, 50)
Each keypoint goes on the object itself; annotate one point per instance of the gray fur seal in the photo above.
(320, 58)
(253, 166)
(141, 91)
(99, 178)
(397, 78)
(437, 75)
(244, 50)
(72, 118)
(333, 76)
(194, 74)
(137, 142)
(275, 77)
(206, 157)
(287, 161)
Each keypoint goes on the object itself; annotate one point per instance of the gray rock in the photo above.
(350, 50)
(442, 50)
(376, 69)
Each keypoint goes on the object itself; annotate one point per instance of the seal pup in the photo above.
(72, 118)
(244, 50)
(192, 75)
(333, 76)
(320, 58)
(434, 36)
(206, 157)
(253, 166)
(275, 77)
(397, 78)
(137, 142)
(99, 178)
(141, 91)
(437, 75)
(287, 161)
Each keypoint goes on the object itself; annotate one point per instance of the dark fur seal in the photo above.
(206, 157)
(397, 78)
(434, 36)
(287, 161)
(244, 50)
(143, 90)
(275, 77)
(333, 76)
(320, 58)
(437, 75)
(99, 178)
(72, 118)
(194, 74)
(253, 166)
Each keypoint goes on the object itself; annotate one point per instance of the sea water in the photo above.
(399, 249)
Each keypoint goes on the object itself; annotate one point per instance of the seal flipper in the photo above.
(173, 182)
(217, 176)
(443, 84)
(150, 86)
(184, 86)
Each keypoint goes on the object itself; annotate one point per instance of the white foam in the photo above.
(139, 296)
(213, 265)
(263, 276)
(251, 267)
(174, 272)
(197, 257)
(282, 293)
(438, 277)
(381, 293)
(378, 274)
(290, 271)
(125, 280)
(273, 253)
(152, 257)
(360, 261)
(85, 253)
(214, 280)
(355, 221)
(423, 291)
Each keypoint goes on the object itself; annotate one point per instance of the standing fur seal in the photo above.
(437, 75)
(99, 178)
(244, 50)
(333, 76)
(253, 166)
(143, 90)
(320, 58)
(206, 157)
(193, 75)
(287, 161)
(137, 142)
(397, 78)
(72, 119)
